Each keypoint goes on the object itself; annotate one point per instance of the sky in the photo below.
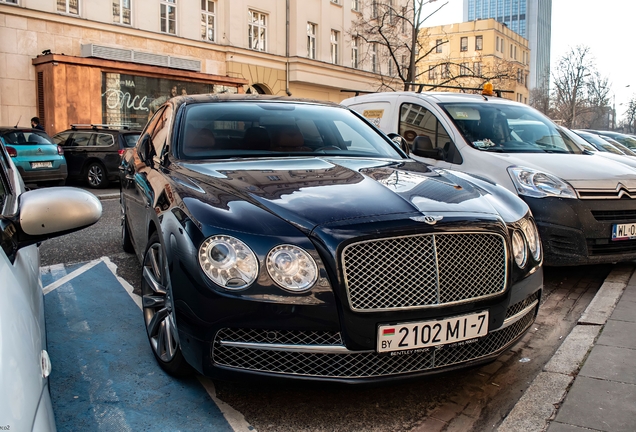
(608, 27)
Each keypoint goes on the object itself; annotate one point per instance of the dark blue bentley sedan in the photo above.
(291, 238)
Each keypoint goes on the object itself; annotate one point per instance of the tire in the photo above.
(96, 176)
(159, 315)
(126, 242)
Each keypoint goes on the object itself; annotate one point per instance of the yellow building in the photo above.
(469, 54)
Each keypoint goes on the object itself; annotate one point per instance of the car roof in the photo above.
(4, 129)
(102, 128)
(226, 97)
(435, 97)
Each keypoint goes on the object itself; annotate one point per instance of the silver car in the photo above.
(26, 219)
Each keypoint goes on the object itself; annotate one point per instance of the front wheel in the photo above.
(159, 315)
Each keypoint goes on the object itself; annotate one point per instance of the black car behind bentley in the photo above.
(290, 238)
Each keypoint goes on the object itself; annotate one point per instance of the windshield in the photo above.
(256, 128)
(21, 137)
(599, 142)
(508, 129)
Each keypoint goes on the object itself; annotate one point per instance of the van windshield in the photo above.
(508, 129)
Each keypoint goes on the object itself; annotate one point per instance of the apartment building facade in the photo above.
(115, 61)
(470, 53)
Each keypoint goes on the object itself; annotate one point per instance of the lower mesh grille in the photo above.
(356, 365)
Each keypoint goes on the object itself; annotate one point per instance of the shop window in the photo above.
(208, 18)
(169, 16)
(68, 6)
(121, 11)
(257, 31)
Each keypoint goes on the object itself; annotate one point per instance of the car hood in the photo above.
(312, 191)
(580, 170)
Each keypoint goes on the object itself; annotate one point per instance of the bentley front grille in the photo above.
(424, 270)
(252, 350)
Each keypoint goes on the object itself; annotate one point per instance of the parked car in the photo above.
(93, 152)
(600, 144)
(584, 140)
(36, 157)
(289, 238)
(27, 218)
(626, 140)
(574, 196)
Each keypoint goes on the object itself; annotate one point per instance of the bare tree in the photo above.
(580, 97)
(629, 121)
(540, 100)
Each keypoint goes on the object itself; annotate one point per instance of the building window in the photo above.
(311, 40)
(479, 43)
(68, 6)
(335, 38)
(257, 31)
(169, 16)
(497, 44)
(510, 50)
(375, 67)
(208, 18)
(477, 68)
(438, 46)
(355, 5)
(404, 65)
(519, 76)
(9, 1)
(463, 44)
(446, 70)
(515, 56)
(374, 8)
(463, 69)
(391, 67)
(391, 12)
(354, 53)
(404, 21)
(432, 73)
(121, 11)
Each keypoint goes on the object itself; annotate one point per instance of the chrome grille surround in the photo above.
(424, 270)
(356, 364)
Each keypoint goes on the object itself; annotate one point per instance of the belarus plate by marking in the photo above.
(410, 336)
(624, 231)
(41, 165)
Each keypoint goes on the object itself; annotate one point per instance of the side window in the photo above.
(415, 120)
(103, 140)
(62, 138)
(81, 139)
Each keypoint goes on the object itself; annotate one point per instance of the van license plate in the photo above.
(409, 336)
(624, 231)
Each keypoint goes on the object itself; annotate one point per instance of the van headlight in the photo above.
(228, 262)
(537, 184)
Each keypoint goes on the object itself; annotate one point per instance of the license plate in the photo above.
(41, 165)
(624, 231)
(425, 334)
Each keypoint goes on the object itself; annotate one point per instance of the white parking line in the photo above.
(58, 283)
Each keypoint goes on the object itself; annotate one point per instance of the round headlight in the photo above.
(519, 248)
(532, 236)
(228, 261)
(292, 268)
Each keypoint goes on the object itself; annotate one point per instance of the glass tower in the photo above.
(531, 19)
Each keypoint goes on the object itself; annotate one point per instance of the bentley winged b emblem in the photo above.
(431, 220)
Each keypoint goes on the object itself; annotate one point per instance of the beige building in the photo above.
(470, 53)
(114, 61)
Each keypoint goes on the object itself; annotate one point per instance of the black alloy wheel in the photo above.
(158, 311)
(96, 175)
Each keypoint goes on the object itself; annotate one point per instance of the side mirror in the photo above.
(422, 146)
(400, 141)
(52, 212)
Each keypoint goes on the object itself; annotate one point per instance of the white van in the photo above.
(582, 202)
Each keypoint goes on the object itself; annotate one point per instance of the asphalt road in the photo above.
(476, 399)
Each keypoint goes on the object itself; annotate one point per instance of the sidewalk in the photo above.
(590, 382)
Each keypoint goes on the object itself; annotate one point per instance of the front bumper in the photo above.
(579, 232)
(294, 348)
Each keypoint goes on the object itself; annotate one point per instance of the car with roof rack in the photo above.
(584, 204)
(93, 151)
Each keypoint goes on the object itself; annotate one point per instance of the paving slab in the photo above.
(611, 363)
(618, 334)
(625, 311)
(562, 427)
(601, 405)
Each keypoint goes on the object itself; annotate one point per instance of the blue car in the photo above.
(35, 155)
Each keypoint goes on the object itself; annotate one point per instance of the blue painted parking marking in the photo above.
(104, 374)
